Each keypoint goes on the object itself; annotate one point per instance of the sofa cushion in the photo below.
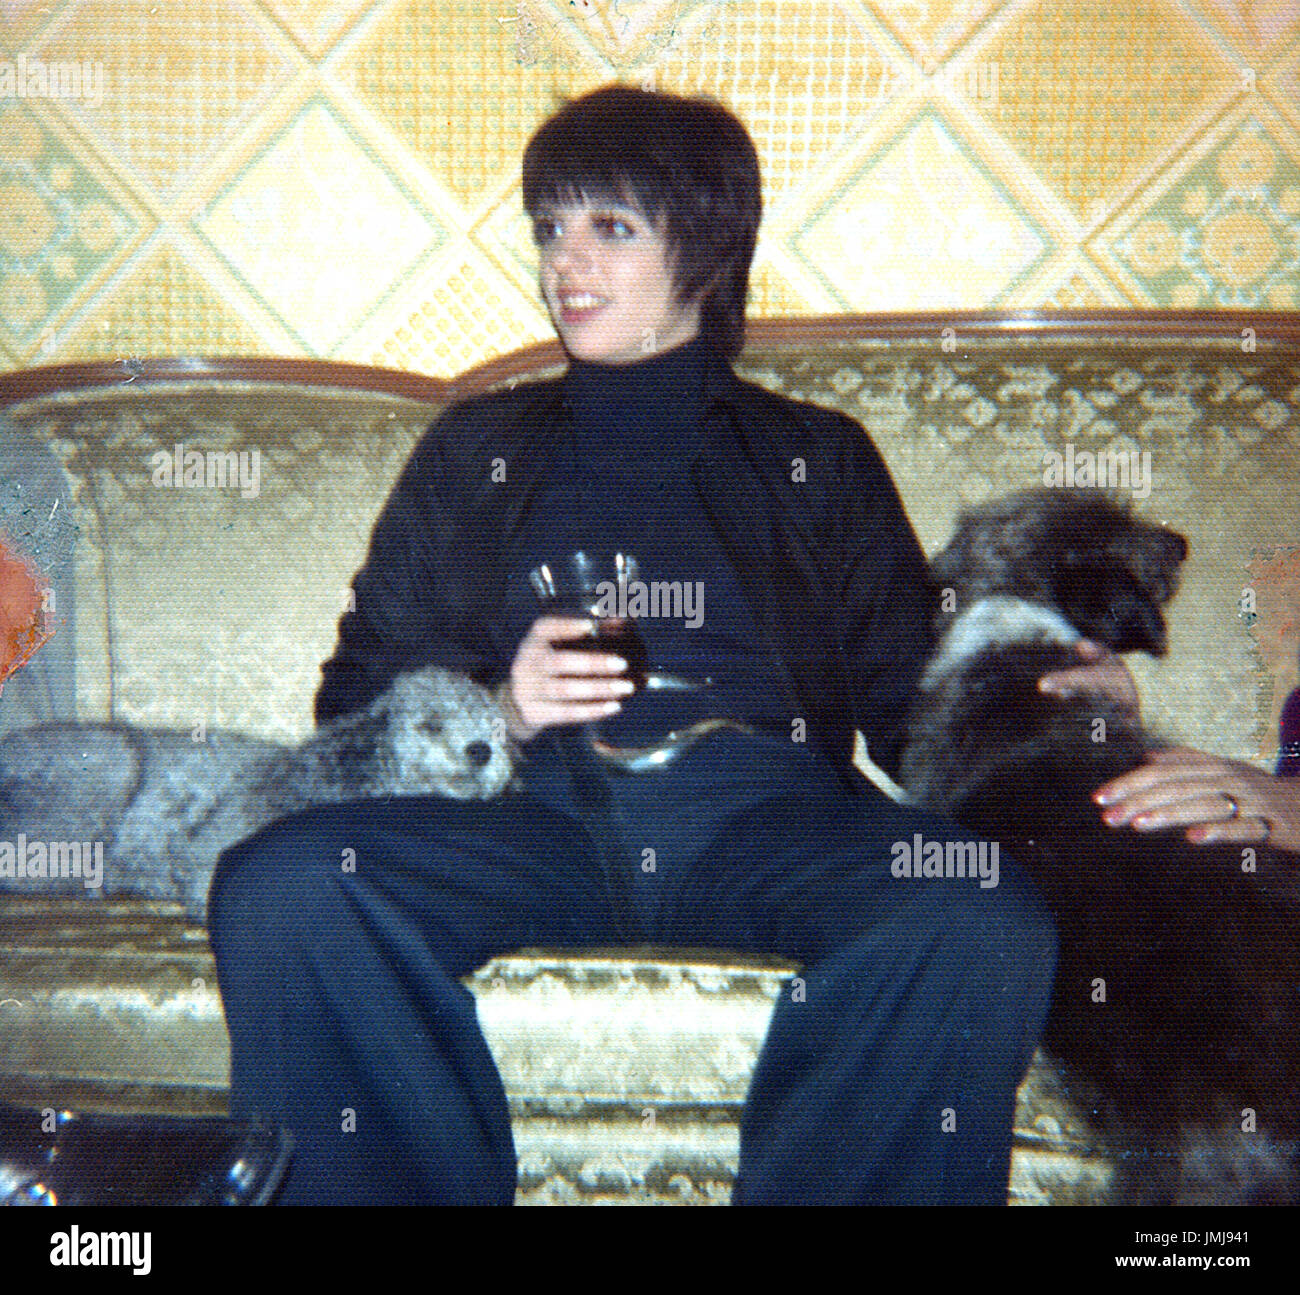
(625, 1069)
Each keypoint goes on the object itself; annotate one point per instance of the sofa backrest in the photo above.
(218, 604)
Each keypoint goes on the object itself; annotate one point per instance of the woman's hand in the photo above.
(542, 691)
(1215, 799)
(1103, 673)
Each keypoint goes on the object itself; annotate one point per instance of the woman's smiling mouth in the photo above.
(578, 306)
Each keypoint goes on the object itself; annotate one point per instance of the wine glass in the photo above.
(594, 584)
(587, 583)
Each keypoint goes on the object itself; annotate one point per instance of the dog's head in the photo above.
(1075, 550)
(447, 736)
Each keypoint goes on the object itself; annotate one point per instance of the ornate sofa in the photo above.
(626, 1071)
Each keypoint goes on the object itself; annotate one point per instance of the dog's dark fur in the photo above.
(1200, 957)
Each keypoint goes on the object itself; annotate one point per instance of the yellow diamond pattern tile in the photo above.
(1283, 87)
(458, 312)
(285, 203)
(623, 33)
(932, 28)
(801, 77)
(65, 226)
(179, 80)
(315, 24)
(448, 80)
(1091, 93)
(506, 233)
(1111, 159)
(923, 210)
(772, 294)
(1084, 289)
(1221, 229)
(1076, 294)
(1256, 27)
(164, 308)
(20, 20)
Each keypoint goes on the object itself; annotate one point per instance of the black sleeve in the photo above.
(886, 603)
(401, 619)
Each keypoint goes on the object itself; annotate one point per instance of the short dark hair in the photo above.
(687, 161)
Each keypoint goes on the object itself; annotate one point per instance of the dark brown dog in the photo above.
(1176, 1014)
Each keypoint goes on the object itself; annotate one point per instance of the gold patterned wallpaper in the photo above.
(339, 179)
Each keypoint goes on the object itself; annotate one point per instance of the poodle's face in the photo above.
(1106, 571)
(448, 736)
(1112, 578)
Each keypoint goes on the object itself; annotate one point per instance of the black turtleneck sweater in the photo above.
(620, 481)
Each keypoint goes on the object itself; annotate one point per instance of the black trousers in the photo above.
(887, 1077)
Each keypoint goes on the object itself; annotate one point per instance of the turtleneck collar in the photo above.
(639, 403)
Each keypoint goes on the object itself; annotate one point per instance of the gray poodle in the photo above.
(124, 810)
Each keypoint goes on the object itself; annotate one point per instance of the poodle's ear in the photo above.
(1176, 548)
(1113, 608)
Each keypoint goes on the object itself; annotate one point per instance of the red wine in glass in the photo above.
(577, 586)
(617, 634)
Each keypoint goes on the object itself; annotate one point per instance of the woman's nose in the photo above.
(569, 252)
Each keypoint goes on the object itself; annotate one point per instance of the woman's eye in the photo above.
(615, 226)
(543, 231)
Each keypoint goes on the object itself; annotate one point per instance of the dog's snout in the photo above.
(1137, 625)
(478, 754)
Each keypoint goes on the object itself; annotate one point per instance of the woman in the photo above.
(891, 1064)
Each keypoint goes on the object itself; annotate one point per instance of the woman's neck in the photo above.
(665, 390)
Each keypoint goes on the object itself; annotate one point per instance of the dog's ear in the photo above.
(1157, 564)
(354, 746)
(1174, 552)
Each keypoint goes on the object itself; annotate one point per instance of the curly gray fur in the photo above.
(164, 803)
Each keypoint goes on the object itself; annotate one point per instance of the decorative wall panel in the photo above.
(340, 179)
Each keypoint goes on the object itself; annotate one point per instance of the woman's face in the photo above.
(607, 283)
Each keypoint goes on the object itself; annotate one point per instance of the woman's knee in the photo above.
(267, 883)
(970, 880)
(1000, 910)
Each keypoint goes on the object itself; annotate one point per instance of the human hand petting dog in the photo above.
(1217, 800)
(1104, 672)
